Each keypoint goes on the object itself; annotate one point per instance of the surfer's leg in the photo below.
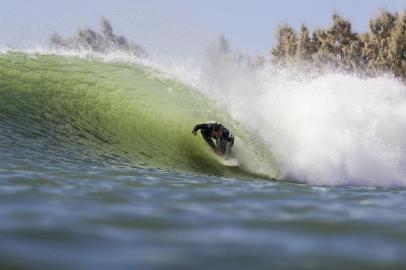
(230, 145)
(223, 146)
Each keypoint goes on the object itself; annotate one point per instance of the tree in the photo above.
(353, 55)
(90, 40)
(286, 44)
(323, 49)
(380, 28)
(106, 28)
(305, 46)
(104, 41)
(56, 40)
(383, 48)
(397, 47)
(340, 38)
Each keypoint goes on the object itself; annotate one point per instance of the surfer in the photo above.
(223, 137)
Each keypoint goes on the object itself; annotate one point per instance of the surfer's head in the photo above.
(217, 131)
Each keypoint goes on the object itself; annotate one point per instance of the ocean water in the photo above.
(99, 169)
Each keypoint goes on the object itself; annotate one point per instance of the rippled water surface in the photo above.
(128, 218)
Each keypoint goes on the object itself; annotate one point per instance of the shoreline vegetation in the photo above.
(381, 50)
(105, 41)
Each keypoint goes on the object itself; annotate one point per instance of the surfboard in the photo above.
(227, 161)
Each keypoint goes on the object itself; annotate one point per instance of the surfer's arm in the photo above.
(205, 134)
(209, 141)
(200, 126)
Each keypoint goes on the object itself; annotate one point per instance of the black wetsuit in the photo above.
(226, 137)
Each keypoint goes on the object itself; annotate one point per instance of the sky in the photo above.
(180, 28)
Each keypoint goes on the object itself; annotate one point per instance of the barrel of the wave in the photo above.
(118, 112)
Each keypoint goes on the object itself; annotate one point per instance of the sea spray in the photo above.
(323, 129)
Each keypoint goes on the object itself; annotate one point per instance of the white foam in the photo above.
(330, 129)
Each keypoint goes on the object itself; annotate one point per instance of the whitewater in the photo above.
(99, 168)
(323, 129)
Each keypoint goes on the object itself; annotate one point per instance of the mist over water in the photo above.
(325, 128)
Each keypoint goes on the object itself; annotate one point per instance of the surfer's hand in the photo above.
(194, 132)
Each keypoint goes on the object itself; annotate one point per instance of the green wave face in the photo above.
(122, 112)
